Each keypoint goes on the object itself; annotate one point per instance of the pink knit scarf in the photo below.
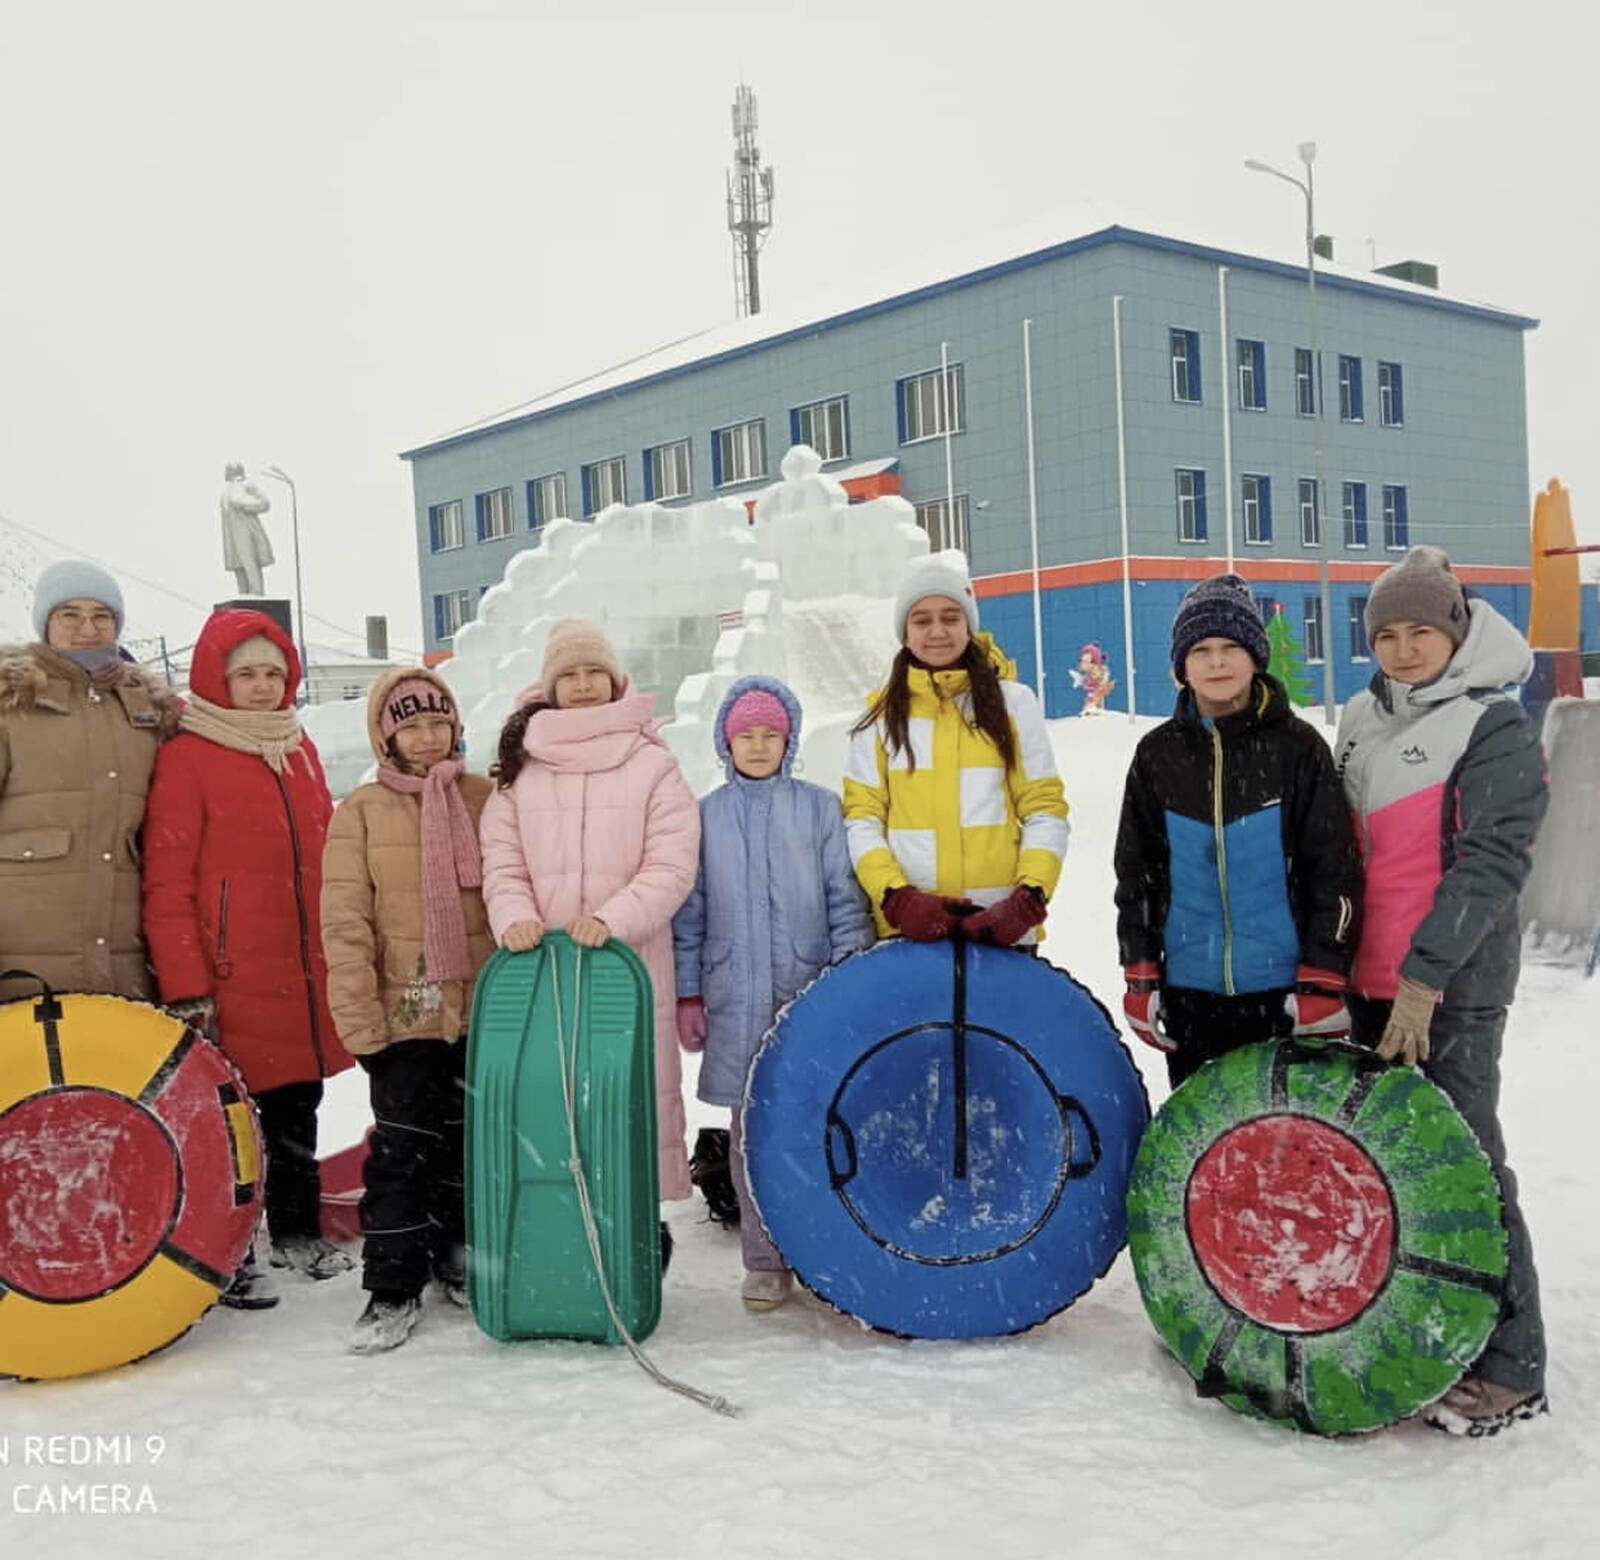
(450, 862)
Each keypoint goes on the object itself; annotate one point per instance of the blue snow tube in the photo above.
(939, 1137)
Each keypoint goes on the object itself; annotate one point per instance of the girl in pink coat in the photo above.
(593, 830)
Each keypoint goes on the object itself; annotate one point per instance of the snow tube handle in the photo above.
(48, 1007)
(1071, 1107)
(840, 1133)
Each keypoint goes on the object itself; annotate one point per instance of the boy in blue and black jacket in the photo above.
(1237, 871)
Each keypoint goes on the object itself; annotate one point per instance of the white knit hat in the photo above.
(939, 574)
(257, 650)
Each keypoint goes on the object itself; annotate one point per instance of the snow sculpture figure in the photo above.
(245, 548)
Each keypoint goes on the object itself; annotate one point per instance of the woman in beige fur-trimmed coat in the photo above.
(79, 729)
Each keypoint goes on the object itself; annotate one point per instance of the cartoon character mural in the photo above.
(1094, 677)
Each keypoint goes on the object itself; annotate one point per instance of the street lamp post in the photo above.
(1308, 153)
(299, 597)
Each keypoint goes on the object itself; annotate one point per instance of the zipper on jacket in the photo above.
(224, 963)
(305, 925)
(1222, 859)
(583, 842)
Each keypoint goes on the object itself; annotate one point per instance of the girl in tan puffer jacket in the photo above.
(405, 933)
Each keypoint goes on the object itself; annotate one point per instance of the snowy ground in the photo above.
(1080, 1439)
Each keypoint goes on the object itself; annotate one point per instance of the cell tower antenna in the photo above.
(749, 204)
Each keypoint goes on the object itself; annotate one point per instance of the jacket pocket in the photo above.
(43, 844)
(716, 972)
(224, 965)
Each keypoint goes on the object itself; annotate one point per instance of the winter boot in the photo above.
(710, 1171)
(390, 1318)
(450, 1274)
(766, 1290)
(1476, 1407)
(311, 1255)
(250, 1289)
(666, 1248)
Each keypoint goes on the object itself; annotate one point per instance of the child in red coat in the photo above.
(234, 830)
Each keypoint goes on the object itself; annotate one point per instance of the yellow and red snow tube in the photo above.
(130, 1181)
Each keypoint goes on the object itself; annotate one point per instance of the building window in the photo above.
(1391, 396)
(943, 529)
(1354, 506)
(1349, 389)
(739, 453)
(547, 500)
(1305, 387)
(444, 526)
(1185, 364)
(1359, 649)
(494, 515)
(1191, 487)
(450, 611)
(1396, 523)
(1310, 514)
(1313, 639)
(1252, 376)
(666, 471)
(605, 482)
(825, 426)
(1257, 510)
(927, 405)
(1267, 606)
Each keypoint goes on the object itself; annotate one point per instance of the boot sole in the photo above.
(264, 1304)
(1450, 1422)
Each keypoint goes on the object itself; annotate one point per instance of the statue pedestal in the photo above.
(280, 612)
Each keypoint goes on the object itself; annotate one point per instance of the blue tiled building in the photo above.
(1202, 441)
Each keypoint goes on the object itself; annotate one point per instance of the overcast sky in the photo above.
(316, 234)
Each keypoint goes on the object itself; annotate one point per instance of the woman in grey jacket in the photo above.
(1447, 783)
(775, 902)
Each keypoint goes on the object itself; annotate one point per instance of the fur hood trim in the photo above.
(25, 670)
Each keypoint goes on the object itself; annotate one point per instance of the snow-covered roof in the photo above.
(338, 655)
(928, 271)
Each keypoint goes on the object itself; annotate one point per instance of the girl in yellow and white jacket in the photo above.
(955, 814)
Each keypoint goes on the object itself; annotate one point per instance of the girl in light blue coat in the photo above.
(775, 902)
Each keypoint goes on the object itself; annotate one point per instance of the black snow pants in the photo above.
(1204, 1025)
(288, 1116)
(413, 1218)
(1464, 1060)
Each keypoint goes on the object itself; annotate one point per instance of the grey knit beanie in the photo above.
(1219, 608)
(937, 574)
(72, 579)
(1421, 588)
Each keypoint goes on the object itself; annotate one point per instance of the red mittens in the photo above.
(1141, 1004)
(1006, 923)
(691, 1023)
(921, 916)
(1316, 1005)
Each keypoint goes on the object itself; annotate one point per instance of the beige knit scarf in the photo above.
(270, 734)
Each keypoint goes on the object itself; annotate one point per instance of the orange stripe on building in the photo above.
(1105, 571)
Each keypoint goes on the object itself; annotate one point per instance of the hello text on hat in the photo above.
(411, 697)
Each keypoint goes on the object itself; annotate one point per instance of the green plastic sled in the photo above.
(531, 1273)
